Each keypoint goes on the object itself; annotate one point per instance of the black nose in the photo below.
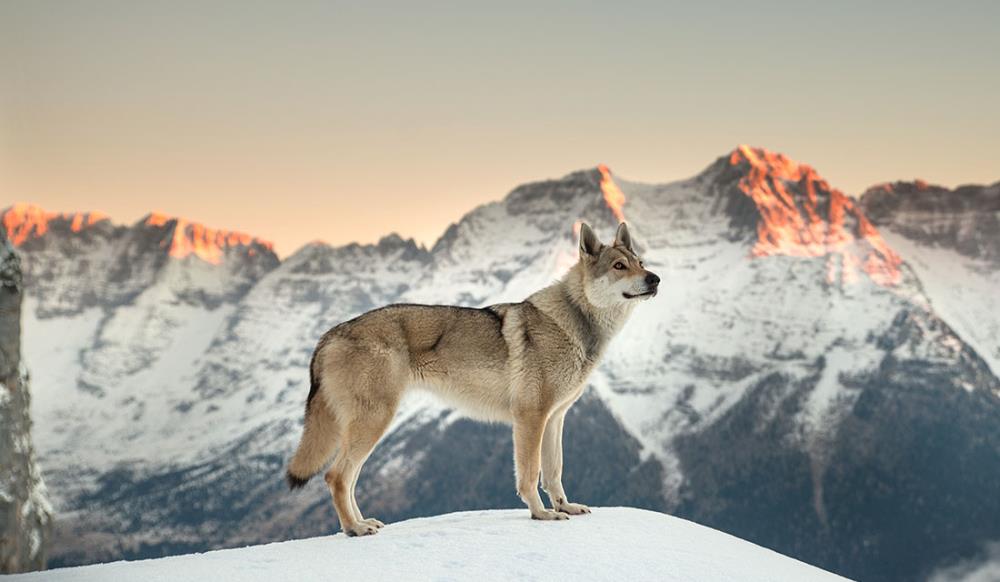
(652, 280)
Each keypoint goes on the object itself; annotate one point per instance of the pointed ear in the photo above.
(623, 238)
(589, 245)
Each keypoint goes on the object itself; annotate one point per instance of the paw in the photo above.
(372, 521)
(361, 528)
(546, 515)
(572, 508)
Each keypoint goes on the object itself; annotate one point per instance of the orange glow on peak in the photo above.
(765, 162)
(613, 195)
(157, 219)
(82, 220)
(27, 221)
(208, 244)
(802, 216)
(22, 221)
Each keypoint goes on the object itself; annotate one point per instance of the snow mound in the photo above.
(610, 544)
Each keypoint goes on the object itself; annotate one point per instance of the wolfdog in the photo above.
(520, 363)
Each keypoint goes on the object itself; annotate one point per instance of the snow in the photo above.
(829, 395)
(962, 291)
(165, 337)
(610, 544)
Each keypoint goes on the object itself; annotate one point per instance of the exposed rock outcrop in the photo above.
(25, 514)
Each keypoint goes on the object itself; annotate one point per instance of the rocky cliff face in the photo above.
(965, 219)
(25, 514)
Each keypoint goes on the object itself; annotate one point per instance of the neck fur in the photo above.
(568, 294)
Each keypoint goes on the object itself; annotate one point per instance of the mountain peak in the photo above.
(764, 162)
(800, 215)
(208, 244)
(24, 221)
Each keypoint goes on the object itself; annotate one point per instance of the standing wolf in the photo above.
(522, 363)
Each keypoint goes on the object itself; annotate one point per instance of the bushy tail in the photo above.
(319, 439)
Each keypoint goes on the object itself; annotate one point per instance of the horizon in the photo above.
(284, 253)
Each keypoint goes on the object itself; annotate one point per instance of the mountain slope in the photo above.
(118, 312)
(791, 380)
(949, 238)
(486, 545)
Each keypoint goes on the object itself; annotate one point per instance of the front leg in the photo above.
(552, 463)
(528, 430)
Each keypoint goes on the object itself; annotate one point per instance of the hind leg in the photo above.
(360, 437)
(364, 384)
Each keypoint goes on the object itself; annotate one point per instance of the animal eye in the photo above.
(620, 266)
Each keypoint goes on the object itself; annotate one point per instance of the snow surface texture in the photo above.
(610, 544)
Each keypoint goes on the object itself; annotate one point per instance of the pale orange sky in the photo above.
(346, 121)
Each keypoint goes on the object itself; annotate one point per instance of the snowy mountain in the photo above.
(82, 260)
(797, 382)
(485, 545)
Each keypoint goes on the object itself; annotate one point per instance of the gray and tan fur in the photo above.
(521, 363)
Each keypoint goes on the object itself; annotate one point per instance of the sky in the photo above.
(344, 121)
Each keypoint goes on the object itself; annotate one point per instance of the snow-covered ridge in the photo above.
(208, 244)
(965, 219)
(610, 544)
(80, 260)
(27, 222)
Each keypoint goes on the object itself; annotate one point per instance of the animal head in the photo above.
(613, 275)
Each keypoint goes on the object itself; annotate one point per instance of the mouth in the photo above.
(650, 293)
